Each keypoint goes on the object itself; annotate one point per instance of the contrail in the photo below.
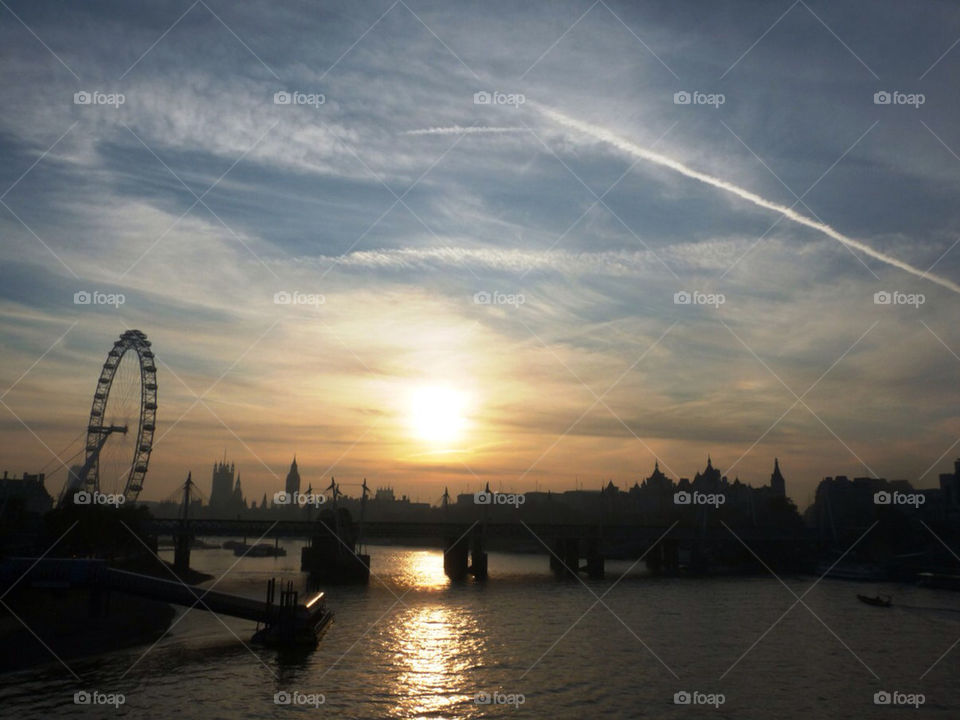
(460, 130)
(631, 148)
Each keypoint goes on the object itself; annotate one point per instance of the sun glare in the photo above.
(437, 414)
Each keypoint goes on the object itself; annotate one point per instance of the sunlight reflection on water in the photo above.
(434, 645)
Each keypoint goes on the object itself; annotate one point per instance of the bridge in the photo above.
(465, 545)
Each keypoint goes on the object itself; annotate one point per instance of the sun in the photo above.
(437, 414)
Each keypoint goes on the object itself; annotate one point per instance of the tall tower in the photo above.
(221, 486)
(237, 501)
(778, 486)
(293, 478)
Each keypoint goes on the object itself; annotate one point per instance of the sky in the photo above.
(486, 292)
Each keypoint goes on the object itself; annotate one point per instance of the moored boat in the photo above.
(876, 601)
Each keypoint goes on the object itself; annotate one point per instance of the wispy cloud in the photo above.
(466, 130)
(604, 135)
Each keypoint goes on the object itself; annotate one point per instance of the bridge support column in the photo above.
(181, 551)
(565, 559)
(595, 562)
(455, 556)
(478, 555)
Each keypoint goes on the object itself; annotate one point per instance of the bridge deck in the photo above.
(57, 572)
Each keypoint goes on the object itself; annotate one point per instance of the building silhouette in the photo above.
(950, 493)
(26, 494)
(226, 493)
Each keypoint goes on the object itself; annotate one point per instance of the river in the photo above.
(525, 644)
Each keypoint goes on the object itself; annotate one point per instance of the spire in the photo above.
(777, 483)
(709, 461)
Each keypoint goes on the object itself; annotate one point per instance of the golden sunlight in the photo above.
(437, 414)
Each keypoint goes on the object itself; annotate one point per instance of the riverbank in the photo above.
(79, 622)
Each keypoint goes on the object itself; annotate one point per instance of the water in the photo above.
(413, 645)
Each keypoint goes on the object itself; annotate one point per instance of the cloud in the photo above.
(468, 130)
(604, 135)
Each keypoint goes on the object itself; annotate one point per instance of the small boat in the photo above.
(876, 601)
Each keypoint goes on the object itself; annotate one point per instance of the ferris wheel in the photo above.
(123, 419)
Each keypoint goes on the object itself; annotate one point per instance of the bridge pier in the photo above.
(478, 555)
(565, 558)
(664, 558)
(465, 554)
(455, 556)
(566, 554)
(595, 561)
(181, 551)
